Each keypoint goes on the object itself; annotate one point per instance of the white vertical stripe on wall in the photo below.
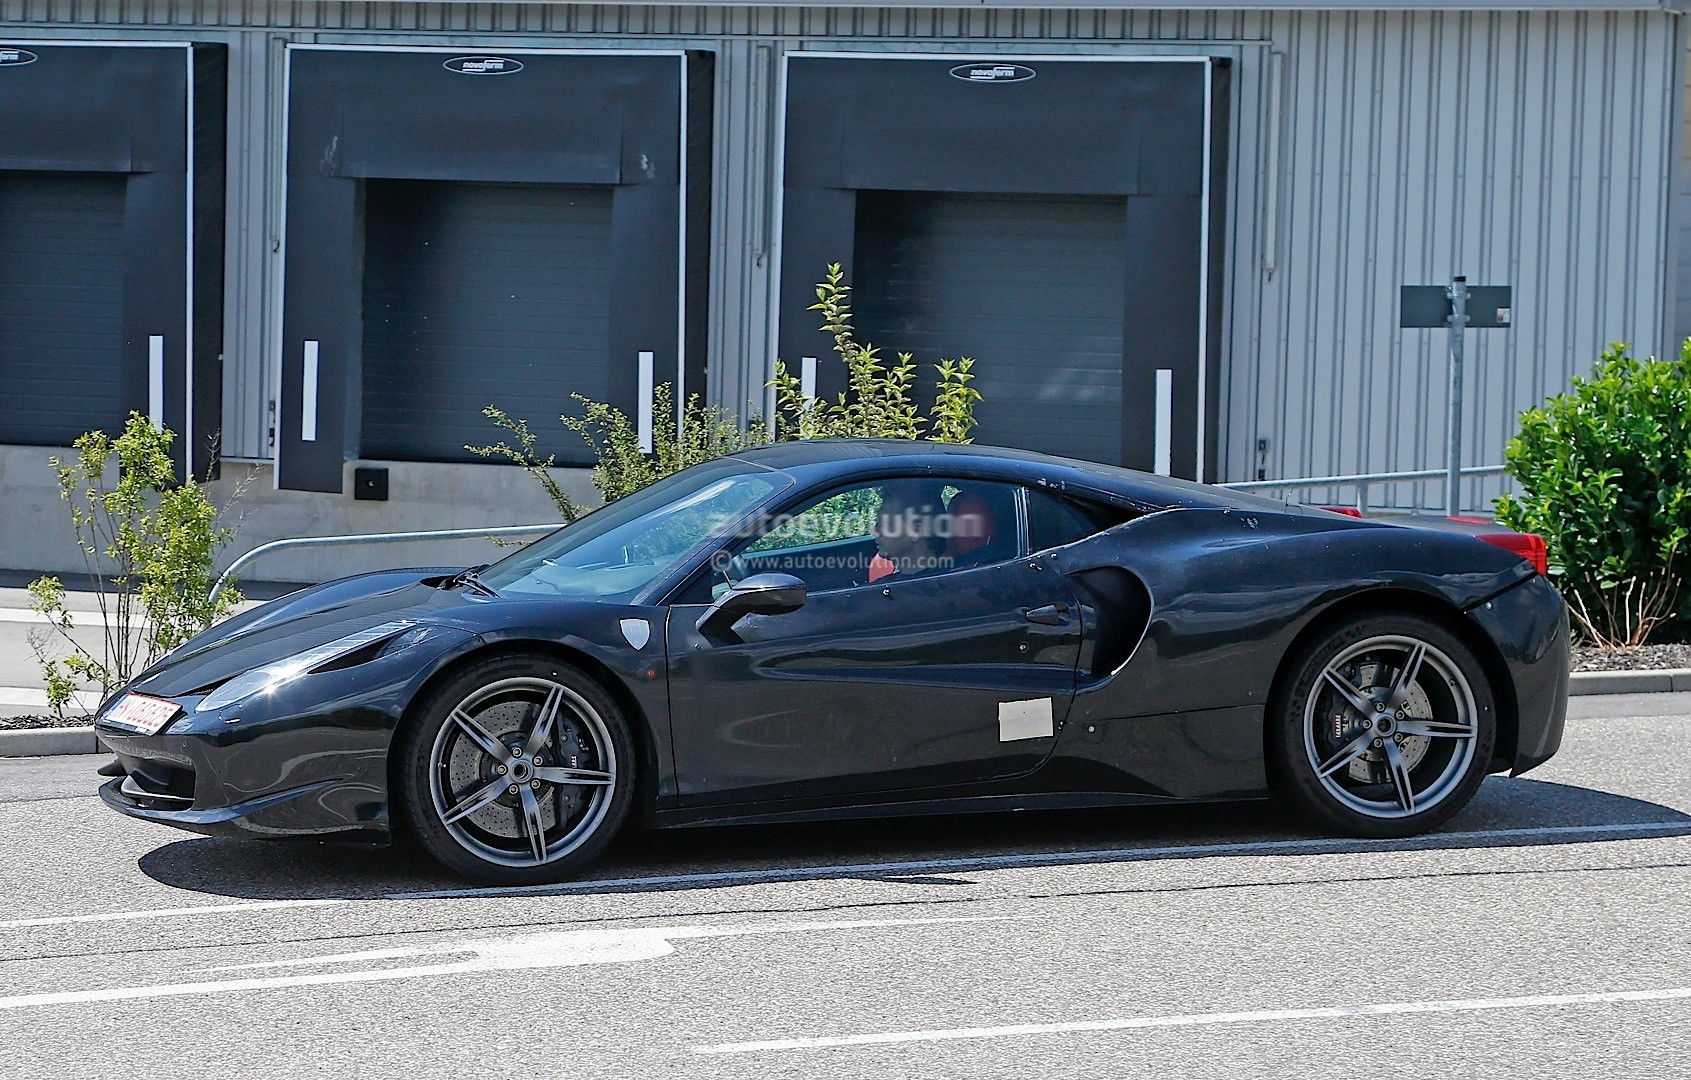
(1525, 147)
(155, 380)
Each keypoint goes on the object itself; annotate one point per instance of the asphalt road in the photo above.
(1545, 933)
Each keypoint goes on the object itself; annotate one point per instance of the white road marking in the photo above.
(29, 616)
(1055, 858)
(1314, 846)
(164, 913)
(1334, 1012)
(81, 619)
(575, 948)
(28, 697)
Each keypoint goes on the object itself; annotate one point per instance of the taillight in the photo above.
(1528, 546)
(1347, 511)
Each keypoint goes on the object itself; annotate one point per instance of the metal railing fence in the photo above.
(228, 574)
(1362, 482)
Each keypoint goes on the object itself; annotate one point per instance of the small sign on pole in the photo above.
(1456, 306)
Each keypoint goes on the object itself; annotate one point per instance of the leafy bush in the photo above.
(877, 401)
(524, 455)
(1605, 475)
(148, 543)
(705, 433)
(877, 404)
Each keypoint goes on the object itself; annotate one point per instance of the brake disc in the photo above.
(469, 770)
(1345, 724)
(1370, 768)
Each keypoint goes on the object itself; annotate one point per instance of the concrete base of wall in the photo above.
(37, 535)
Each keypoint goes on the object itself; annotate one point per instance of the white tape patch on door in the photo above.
(1025, 720)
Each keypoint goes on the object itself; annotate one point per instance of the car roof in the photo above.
(810, 460)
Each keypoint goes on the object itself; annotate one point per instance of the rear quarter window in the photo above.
(1055, 520)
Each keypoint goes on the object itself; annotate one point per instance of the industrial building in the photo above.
(326, 235)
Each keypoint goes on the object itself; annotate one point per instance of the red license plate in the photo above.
(138, 712)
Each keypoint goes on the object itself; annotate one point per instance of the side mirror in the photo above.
(759, 594)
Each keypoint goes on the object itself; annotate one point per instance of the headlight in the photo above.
(270, 676)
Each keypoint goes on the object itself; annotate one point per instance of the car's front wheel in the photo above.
(1386, 727)
(518, 770)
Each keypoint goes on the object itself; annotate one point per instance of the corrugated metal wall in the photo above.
(1529, 148)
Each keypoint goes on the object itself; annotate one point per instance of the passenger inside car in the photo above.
(907, 533)
(982, 520)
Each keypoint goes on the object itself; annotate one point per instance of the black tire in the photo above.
(573, 791)
(1441, 751)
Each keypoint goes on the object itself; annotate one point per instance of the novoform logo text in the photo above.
(992, 73)
(16, 57)
(484, 65)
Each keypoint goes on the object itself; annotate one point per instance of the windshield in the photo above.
(626, 545)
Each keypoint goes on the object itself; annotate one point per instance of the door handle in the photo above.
(1048, 615)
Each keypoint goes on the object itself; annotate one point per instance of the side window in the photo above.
(897, 528)
(841, 518)
(1055, 520)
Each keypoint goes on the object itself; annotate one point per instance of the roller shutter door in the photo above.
(61, 306)
(1032, 287)
(476, 295)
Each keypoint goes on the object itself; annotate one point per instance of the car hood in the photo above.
(304, 620)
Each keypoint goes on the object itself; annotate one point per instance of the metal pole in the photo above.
(1453, 460)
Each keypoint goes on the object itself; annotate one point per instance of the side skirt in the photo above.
(977, 804)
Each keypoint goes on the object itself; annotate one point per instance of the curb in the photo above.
(48, 742)
(1668, 680)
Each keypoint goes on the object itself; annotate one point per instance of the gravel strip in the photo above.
(23, 723)
(1645, 658)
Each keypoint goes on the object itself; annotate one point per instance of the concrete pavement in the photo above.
(1543, 933)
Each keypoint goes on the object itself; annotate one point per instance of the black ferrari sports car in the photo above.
(862, 628)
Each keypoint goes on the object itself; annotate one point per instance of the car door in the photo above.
(915, 681)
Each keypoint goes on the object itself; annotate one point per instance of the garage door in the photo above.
(477, 295)
(61, 306)
(1031, 287)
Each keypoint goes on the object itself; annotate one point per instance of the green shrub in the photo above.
(1605, 476)
(877, 404)
(877, 401)
(525, 456)
(148, 544)
(705, 433)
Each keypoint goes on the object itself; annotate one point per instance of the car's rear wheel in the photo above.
(1386, 727)
(519, 770)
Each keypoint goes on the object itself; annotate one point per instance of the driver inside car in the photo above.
(906, 540)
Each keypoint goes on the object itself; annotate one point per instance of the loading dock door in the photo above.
(111, 241)
(1056, 218)
(514, 279)
(1031, 286)
(483, 229)
(62, 369)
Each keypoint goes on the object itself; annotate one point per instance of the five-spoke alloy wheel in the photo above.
(1385, 727)
(518, 770)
